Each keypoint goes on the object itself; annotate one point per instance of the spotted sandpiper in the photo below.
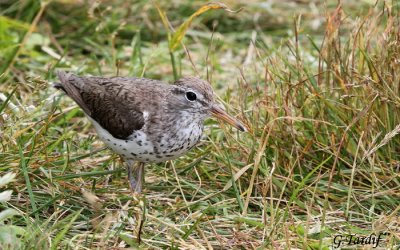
(144, 120)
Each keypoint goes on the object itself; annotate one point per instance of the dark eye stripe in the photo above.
(202, 103)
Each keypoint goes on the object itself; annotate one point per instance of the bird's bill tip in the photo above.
(219, 113)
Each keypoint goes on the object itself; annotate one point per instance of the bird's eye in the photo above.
(191, 96)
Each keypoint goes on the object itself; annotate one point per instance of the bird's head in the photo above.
(194, 95)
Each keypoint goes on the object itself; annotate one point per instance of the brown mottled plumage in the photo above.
(145, 120)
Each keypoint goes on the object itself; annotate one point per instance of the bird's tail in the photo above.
(71, 85)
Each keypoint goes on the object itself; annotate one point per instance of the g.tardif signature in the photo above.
(353, 240)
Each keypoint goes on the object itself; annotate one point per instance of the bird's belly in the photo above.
(171, 147)
(139, 147)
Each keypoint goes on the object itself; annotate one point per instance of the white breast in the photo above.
(138, 147)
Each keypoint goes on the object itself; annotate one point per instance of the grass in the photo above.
(317, 84)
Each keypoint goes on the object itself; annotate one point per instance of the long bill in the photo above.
(219, 113)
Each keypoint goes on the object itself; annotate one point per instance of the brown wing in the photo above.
(105, 101)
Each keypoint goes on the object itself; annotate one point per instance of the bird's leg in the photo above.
(136, 180)
(136, 176)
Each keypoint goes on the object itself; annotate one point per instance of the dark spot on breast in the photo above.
(158, 156)
(161, 145)
(145, 152)
(133, 154)
(115, 144)
(139, 143)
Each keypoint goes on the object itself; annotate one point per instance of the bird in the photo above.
(145, 120)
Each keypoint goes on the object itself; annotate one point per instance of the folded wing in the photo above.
(104, 100)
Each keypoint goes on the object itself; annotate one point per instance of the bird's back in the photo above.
(116, 103)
